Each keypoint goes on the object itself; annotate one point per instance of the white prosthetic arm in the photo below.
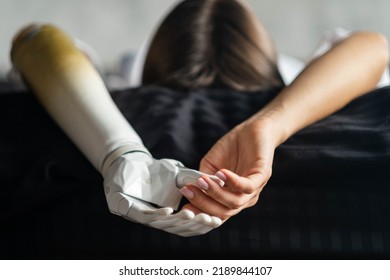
(71, 90)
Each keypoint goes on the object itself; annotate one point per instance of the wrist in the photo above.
(126, 148)
(274, 121)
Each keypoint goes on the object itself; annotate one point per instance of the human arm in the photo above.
(243, 157)
(71, 90)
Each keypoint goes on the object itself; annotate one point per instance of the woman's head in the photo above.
(203, 43)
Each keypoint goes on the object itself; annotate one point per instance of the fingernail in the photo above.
(201, 183)
(187, 192)
(221, 176)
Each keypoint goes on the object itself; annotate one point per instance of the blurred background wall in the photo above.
(118, 26)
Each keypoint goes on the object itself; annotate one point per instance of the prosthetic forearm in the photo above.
(75, 96)
(71, 90)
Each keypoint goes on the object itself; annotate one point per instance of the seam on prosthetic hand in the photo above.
(126, 149)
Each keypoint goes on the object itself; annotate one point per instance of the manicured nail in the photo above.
(187, 192)
(221, 176)
(201, 183)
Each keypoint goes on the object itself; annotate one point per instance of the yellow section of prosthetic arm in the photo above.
(44, 54)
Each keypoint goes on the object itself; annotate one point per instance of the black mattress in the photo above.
(329, 196)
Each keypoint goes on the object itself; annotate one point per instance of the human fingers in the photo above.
(207, 204)
(186, 223)
(206, 166)
(245, 184)
(215, 190)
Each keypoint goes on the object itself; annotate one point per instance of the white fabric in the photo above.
(137, 68)
(328, 40)
(331, 38)
(291, 67)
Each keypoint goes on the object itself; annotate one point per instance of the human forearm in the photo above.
(350, 69)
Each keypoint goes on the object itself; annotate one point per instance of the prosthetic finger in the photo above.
(186, 228)
(174, 220)
(210, 222)
(188, 176)
(196, 226)
(190, 229)
(137, 210)
(184, 223)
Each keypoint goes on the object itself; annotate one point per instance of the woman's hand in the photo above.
(243, 160)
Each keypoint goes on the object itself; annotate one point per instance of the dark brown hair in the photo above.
(203, 43)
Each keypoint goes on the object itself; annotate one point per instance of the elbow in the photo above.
(380, 48)
(383, 48)
(377, 50)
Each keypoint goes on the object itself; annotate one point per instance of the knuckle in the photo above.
(251, 189)
(266, 172)
(215, 194)
(236, 185)
(253, 201)
(237, 203)
(203, 162)
(226, 216)
(199, 203)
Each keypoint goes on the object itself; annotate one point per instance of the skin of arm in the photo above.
(243, 157)
(349, 70)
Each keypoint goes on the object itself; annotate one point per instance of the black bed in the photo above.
(329, 196)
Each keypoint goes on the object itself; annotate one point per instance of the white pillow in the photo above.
(289, 67)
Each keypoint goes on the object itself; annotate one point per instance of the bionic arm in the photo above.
(71, 90)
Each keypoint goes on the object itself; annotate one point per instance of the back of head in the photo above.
(206, 43)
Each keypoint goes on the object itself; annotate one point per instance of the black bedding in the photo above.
(329, 196)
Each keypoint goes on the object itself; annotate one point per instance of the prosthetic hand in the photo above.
(135, 169)
(75, 96)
